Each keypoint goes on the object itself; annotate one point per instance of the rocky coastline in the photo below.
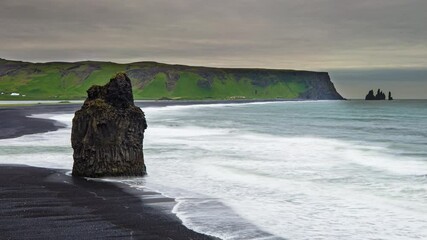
(108, 132)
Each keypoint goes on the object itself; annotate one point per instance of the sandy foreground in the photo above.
(41, 203)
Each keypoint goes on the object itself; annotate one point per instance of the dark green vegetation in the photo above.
(150, 80)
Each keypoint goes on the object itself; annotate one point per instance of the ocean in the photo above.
(293, 170)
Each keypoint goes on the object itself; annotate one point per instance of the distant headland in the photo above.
(152, 80)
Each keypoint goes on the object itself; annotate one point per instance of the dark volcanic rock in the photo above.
(108, 131)
(389, 96)
(379, 96)
(204, 83)
(370, 96)
(320, 86)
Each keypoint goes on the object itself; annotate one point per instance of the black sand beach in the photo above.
(39, 203)
(15, 121)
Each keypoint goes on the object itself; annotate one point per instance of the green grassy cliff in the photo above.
(150, 80)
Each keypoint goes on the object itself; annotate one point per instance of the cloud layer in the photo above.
(303, 34)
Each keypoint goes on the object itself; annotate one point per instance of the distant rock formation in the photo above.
(389, 96)
(108, 131)
(379, 96)
(370, 95)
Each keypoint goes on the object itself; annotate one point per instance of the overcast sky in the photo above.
(349, 38)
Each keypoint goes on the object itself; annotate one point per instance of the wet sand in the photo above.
(39, 203)
(15, 121)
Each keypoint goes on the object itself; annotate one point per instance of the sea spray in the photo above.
(297, 170)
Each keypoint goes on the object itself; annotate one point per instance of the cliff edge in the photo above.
(152, 80)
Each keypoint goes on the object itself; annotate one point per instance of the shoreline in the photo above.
(16, 120)
(29, 194)
(47, 203)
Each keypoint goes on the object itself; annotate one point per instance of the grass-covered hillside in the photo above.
(60, 80)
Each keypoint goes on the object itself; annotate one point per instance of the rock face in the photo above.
(320, 87)
(108, 131)
(370, 95)
(389, 96)
(380, 95)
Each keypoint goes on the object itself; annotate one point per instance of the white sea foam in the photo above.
(227, 178)
(213, 105)
(284, 184)
(51, 149)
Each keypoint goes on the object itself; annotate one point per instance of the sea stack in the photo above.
(108, 131)
(380, 95)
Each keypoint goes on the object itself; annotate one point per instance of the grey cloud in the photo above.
(282, 32)
(303, 34)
